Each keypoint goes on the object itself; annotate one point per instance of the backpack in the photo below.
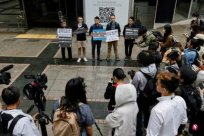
(196, 59)
(65, 123)
(4, 120)
(149, 90)
(192, 98)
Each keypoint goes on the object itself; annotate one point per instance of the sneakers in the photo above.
(79, 59)
(85, 59)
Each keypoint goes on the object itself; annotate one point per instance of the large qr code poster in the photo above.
(105, 12)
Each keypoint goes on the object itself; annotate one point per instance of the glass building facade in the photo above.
(46, 13)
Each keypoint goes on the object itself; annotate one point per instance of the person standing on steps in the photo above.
(112, 26)
(81, 39)
(95, 43)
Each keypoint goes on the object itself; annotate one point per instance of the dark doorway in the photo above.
(165, 11)
(46, 13)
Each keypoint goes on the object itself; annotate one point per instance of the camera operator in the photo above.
(145, 37)
(146, 59)
(118, 78)
(14, 121)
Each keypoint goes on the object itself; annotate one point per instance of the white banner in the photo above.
(103, 9)
(64, 32)
(112, 35)
(64, 37)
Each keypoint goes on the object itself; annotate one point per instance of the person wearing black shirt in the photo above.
(95, 43)
(129, 42)
(69, 49)
(81, 39)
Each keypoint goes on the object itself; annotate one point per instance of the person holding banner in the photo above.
(81, 39)
(130, 32)
(113, 25)
(96, 42)
(63, 43)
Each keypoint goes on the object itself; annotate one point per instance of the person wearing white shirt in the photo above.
(169, 116)
(25, 125)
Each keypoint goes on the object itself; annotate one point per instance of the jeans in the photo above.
(94, 44)
(128, 47)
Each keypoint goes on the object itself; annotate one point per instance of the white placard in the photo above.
(103, 9)
(64, 36)
(112, 35)
(64, 32)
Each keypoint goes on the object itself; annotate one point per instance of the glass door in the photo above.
(144, 11)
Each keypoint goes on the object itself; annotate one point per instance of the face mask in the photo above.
(194, 18)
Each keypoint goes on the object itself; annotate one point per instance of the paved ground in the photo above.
(36, 56)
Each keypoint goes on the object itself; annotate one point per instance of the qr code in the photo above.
(104, 13)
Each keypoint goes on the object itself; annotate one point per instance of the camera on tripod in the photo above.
(5, 76)
(34, 90)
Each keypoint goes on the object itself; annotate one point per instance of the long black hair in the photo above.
(75, 93)
(168, 31)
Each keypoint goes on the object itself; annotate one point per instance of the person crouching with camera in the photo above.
(12, 120)
(118, 78)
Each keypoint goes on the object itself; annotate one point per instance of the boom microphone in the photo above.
(6, 68)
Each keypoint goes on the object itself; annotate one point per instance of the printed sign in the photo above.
(64, 36)
(99, 35)
(80, 31)
(112, 35)
(131, 33)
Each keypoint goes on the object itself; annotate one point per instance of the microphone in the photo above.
(6, 68)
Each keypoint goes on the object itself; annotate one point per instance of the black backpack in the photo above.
(4, 120)
(149, 90)
(192, 98)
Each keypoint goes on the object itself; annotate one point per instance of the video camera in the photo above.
(5, 76)
(34, 90)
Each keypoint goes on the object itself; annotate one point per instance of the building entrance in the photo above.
(47, 13)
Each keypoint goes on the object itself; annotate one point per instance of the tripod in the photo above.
(42, 118)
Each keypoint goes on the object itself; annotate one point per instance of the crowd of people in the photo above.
(164, 97)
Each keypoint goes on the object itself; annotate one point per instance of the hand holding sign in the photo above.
(112, 35)
(64, 37)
